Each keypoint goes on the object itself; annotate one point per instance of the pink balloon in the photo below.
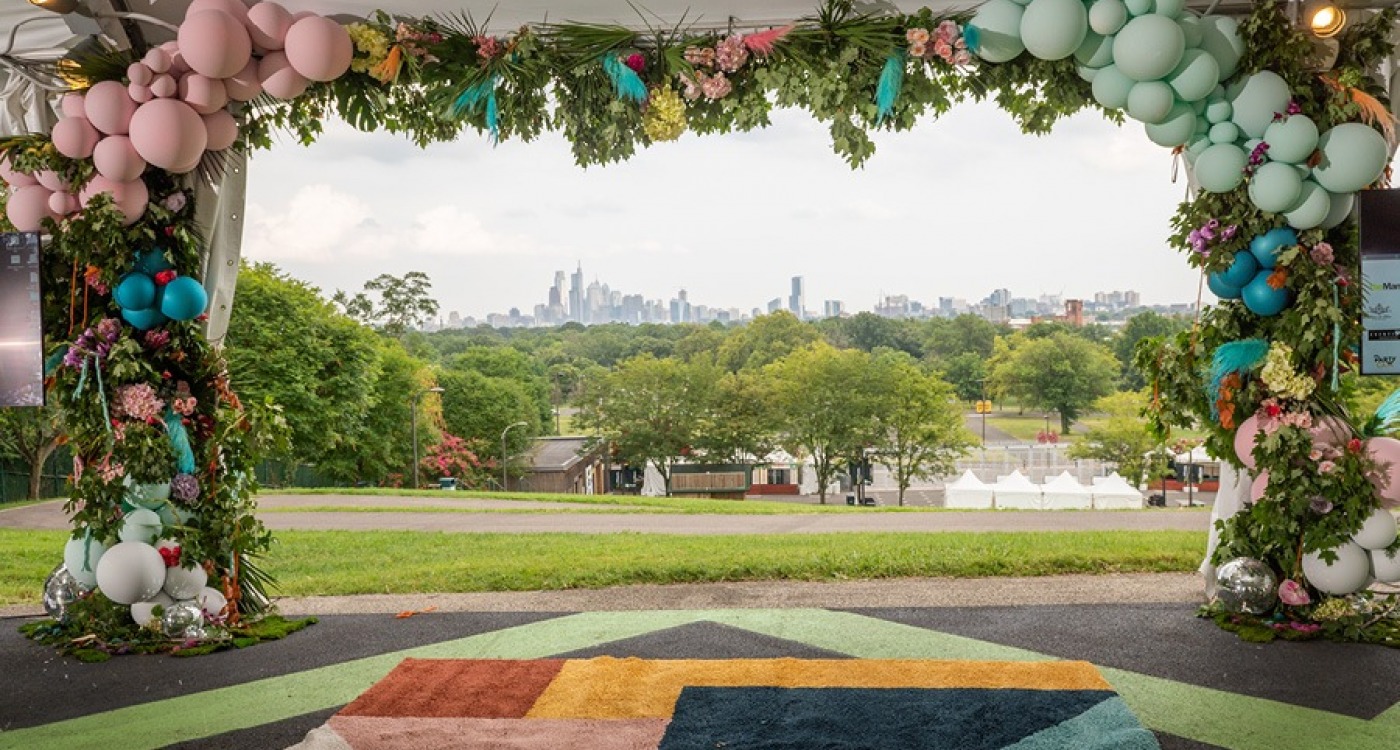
(139, 74)
(168, 134)
(130, 198)
(49, 179)
(267, 25)
(278, 77)
(158, 60)
(72, 105)
(139, 94)
(1259, 486)
(1245, 437)
(63, 203)
(164, 86)
(75, 137)
(297, 16)
(232, 7)
(223, 130)
(244, 85)
(1386, 453)
(117, 160)
(178, 66)
(13, 178)
(205, 95)
(214, 43)
(319, 48)
(1330, 432)
(28, 206)
(109, 107)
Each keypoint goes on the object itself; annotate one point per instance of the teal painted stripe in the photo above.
(1107, 726)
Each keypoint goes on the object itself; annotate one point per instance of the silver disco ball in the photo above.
(1245, 585)
(60, 590)
(183, 620)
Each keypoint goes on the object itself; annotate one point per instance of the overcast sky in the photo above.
(958, 207)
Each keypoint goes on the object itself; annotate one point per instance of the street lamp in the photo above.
(417, 396)
(503, 450)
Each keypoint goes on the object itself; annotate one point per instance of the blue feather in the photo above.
(55, 360)
(479, 95)
(179, 442)
(625, 81)
(1234, 357)
(891, 81)
(1388, 413)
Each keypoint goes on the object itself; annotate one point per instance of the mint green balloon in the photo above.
(1095, 51)
(1202, 129)
(1252, 144)
(1150, 101)
(1169, 8)
(1340, 210)
(1220, 36)
(1218, 110)
(1022, 2)
(1139, 7)
(1275, 187)
(1197, 147)
(1106, 17)
(1353, 157)
(1176, 129)
(998, 24)
(1148, 47)
(1220, 168)
(1314, 203)
(1199, 107)
(1054, 29)
(1191, 28)
(1263, 95)
(1086, 73)
(1195, 76)
(1292, 139)
(1111, 87)
(1224, 132)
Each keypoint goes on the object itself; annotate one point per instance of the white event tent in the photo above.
(1114, 493)
(1018, 492)
(1064, 492)
(968, 492)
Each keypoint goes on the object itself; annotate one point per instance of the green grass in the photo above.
(344, 562)
(583, 510)
(661, 504)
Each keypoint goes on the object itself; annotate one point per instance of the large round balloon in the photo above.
(214, 43)
(186, 582)
(1340, 210)
(168, 134)
(1275, 187)
(1241, 271)
(12, 177)
(1111, 88)
(1054, 29)
(1219, 288)
(144, 612)
(1268, 245)
(1195, 76)
(223, 130)
(1313, 205)
(1224, 132)
(144, 320)
(244, 86)
(136, 291)
(321, 50)
(81, 556)
(130, 572)
(267, 25)
(1150, 101)
(1378, 531)
(1220, 168)
(75, 137)
(997, 27)
(1385, 566)
(1353, 157)
(1261, 298)
(130, 198)
(1292, 139)
(1259, 487)
(140, 525)
(204, 95)
(1345, 575)
(1245, 436)
(1148, 47)
(1260, 98)
(117, 160)
(63, 203)
(1386, 453)
(1220, 36)
(183, 299)
(1095, 51)
(212, 601)
(109, 107)
(28, 207)
(1175, 129)
(281, 81)
(1106, 17)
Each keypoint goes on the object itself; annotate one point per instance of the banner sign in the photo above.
(1380, 281)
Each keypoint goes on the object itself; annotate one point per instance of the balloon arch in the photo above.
(1278, 130)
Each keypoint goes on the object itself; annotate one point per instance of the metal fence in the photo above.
(14, 477)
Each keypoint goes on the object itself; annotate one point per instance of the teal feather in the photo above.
(628, 85)
(891, 82)
(1387, 414)
(54, 360)
(1234, 357)
(179, 442)
(478, 96)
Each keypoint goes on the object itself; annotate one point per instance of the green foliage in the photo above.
(1144, 325)
(967, 373)
(1060, 372)
(1124, 440)
(404, 303)
(766, 339)
(31, 435)
(918, 423)
(478, 408)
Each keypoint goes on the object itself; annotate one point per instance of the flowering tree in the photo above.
(457, 458)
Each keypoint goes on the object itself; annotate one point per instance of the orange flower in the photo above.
(1278, 278)
(388, 70)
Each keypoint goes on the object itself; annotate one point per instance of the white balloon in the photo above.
(185, 583)
(211, 601)
(81, 556)
(131, 572)
(144, 612)
(1378, 532)
(140, 525)
(1345, 575)
(1385, 566)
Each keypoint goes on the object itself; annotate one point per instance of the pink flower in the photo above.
(1327, 467)
(1321, 253)
(1293, 594)
(731, 54)
(715, 86)
(963, 57)
(918, 49)
(700, 57)
(943, 50)
(636, 62)
(916, 36)
(948, 31)
(692, 89)
(138, 401)
(175, 201)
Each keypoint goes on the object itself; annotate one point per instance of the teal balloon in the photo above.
(1106, 17)
(184, 299)
(1111, 88)
(1313, 205)
(1086, 73)
(1220, 36)
(1275, 187)
(1148, 47)
(1196, 148)
(136, 291)
(1353, 157)
(1176, 129)
(143, 320)
(1219, 110)
(1220, 168)
(1340, 210)
(1292, 139)
(1266, 246)
(1169, 8)
(1241, 270)
(1191, 29)
(1054, 29)
(1262, 299)
(1195, 76)
(1224, 132)
(1262, 96)
(1219, 288)
(998, 24)
(1095, 51)
(1138, 7)
(1150, 101)
(152, 262)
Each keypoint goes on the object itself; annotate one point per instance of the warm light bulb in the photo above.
(1327, 21)
(57, 6)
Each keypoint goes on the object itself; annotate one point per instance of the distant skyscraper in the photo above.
(576, 296)
(775, 304)
(797, 301)
(833, 308)
(556, 292)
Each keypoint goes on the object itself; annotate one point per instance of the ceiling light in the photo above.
(1326, 20)
(57, 6)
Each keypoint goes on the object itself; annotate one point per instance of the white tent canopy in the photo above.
(1198, 456)
(1114, 493)
(1015, 491)
(1064, 492)
(969, 492)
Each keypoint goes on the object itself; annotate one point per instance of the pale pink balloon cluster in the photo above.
(1329, 434)
(175, 103)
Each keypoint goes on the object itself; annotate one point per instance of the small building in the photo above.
(564, 465)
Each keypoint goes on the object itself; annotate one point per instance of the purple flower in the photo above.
(1228, 233)
(1293, 107)
(185, 488)
(1320, 505)
(1321, 253)
(175, 201)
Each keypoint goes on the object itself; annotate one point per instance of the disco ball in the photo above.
(1245, 585)
(60, 590)
(183, 620)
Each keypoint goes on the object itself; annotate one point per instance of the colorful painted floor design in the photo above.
(1192, 685)
(760, 704)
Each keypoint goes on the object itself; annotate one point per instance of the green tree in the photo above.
(738, 422)
(30, 435)
(867, 331)
(826, 406)
(967, 373)
(919, 426)
(1060, 372)
(385, 447)
(509, 363)
(478, 408)
(965, 333)
(1123, 440)
(766, 339)
(403, 303)
(1146, 324)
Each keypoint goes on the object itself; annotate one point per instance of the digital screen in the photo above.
(21, 328)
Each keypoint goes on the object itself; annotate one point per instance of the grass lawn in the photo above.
(343, 562)
(621, 503)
